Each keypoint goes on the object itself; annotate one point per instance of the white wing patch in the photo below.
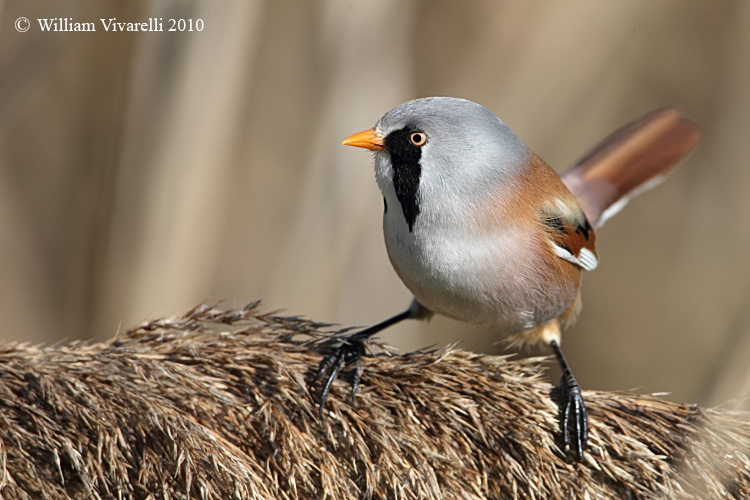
(586, 259)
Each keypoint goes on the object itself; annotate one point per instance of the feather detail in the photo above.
(570, 235)
(542, 198)
(633, 159)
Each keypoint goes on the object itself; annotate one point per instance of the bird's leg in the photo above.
(573, 420)
(352, 350)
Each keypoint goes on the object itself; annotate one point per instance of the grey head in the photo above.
(444, 151)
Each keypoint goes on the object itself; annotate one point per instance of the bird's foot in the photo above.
(573, 419)
(350, 351)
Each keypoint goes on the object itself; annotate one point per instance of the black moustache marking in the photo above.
(406, 172)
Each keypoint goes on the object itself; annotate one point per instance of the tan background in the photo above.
(143, 173)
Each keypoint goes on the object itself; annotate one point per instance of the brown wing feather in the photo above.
(559, 215)
(636, 156)
(571, 232)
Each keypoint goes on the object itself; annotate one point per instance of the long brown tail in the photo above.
(633, 159)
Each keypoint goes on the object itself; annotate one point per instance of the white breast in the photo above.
(488, 278)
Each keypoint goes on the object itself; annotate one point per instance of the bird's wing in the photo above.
(570, 234)
(633, 159)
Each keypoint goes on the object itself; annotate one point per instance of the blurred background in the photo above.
(143, 173)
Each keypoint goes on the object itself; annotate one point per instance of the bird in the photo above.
(480, 229)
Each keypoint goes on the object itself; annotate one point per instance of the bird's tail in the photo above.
(633, 159)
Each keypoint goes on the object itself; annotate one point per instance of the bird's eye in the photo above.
(417, 138)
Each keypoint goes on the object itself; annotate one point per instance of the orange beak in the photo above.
(368, 139)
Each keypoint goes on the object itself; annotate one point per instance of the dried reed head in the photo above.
(216, 404)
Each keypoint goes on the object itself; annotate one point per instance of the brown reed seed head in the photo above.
(216, 404)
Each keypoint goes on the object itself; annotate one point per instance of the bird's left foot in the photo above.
(350, 351)
(573, 419)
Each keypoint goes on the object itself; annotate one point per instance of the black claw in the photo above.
(335, 364)
(573, 419)
(351, 351)
(325, 365)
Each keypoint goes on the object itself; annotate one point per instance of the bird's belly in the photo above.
(500, 280)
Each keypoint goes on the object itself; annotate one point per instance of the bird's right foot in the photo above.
(350, 351)
(353, 349)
